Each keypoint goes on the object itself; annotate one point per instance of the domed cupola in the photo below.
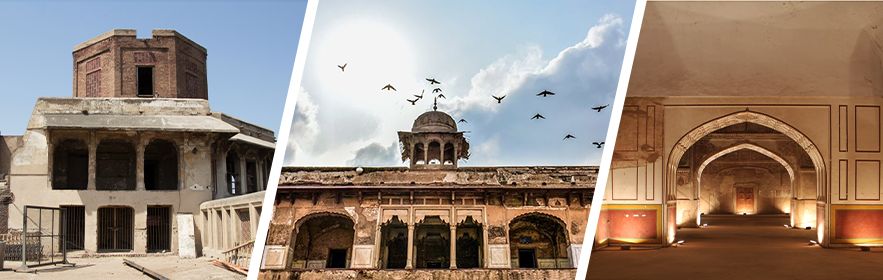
(434, 142)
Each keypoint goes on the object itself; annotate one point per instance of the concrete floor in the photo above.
(113, 268)
(738, 247)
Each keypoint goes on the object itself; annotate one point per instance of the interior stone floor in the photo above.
(738, 247)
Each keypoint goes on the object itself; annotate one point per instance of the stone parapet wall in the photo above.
(489, 274)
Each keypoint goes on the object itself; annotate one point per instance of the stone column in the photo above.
(453, 246)
(484, 247)
(378, 251)
(139, 164)
(93, 161)
(243, 175)
(253, 218)
(441, 153)
(425, 153)
(410, 262)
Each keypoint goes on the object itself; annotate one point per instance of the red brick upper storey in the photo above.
(109, 66)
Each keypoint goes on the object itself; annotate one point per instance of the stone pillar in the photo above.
(93, 161)
(453, 246)
(243, 185)
(425, 153)
(410, 262)
(485, 260)
(139, 164)
(441, 153)
(378, 251)
(253, 218)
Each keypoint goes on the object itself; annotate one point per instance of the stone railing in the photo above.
(230, 223)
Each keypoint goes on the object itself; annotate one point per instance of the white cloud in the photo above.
(375, 154)
(304, 127)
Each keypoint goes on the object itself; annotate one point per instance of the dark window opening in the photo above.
(527, 258)
(145, 81)
(251, 176)
(70, 166)
(233, 171)
(115, 166)
(394, 244)
(419, 154)
(434, 153)
(161, 166)
(159, 229)
(449, 154)
(336, 258)
(432, 241)
(115, 229)
(74, 218)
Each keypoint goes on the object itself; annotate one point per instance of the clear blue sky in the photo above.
(251, 47)
(476, 49)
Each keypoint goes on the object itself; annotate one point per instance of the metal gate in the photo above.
(159, 229)
(74, 219)
(41, 239)
(115, 229)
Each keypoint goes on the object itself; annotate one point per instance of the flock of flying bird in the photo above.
(499, 99)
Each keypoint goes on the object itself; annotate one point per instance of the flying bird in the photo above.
(599, 108)
(342, 67)
(537, 117)
(413, 102)
(568, 136)
(598, 144)
(389, 87)
(545, 93)
(442, 96)
(462, 121)
(421, 94)
(436, 90)
(499, 99)
(432, 81)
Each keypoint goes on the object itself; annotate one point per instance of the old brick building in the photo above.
(134, 153)
(433, 216)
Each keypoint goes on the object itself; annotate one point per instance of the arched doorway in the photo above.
(70, 165)
(432, 243)
(680, 170)
(538, 240)
(323, 240)
(115, 165)
(161, 166)
(469, 245)
(393, 244)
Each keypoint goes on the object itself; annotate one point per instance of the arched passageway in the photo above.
(323, 240)
(538, 241)
(743, 163)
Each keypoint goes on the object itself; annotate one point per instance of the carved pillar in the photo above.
(410, 262)
(377, 249)
(485, 260)
(453, 246)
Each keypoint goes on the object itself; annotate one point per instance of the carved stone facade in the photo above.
(436, 216)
